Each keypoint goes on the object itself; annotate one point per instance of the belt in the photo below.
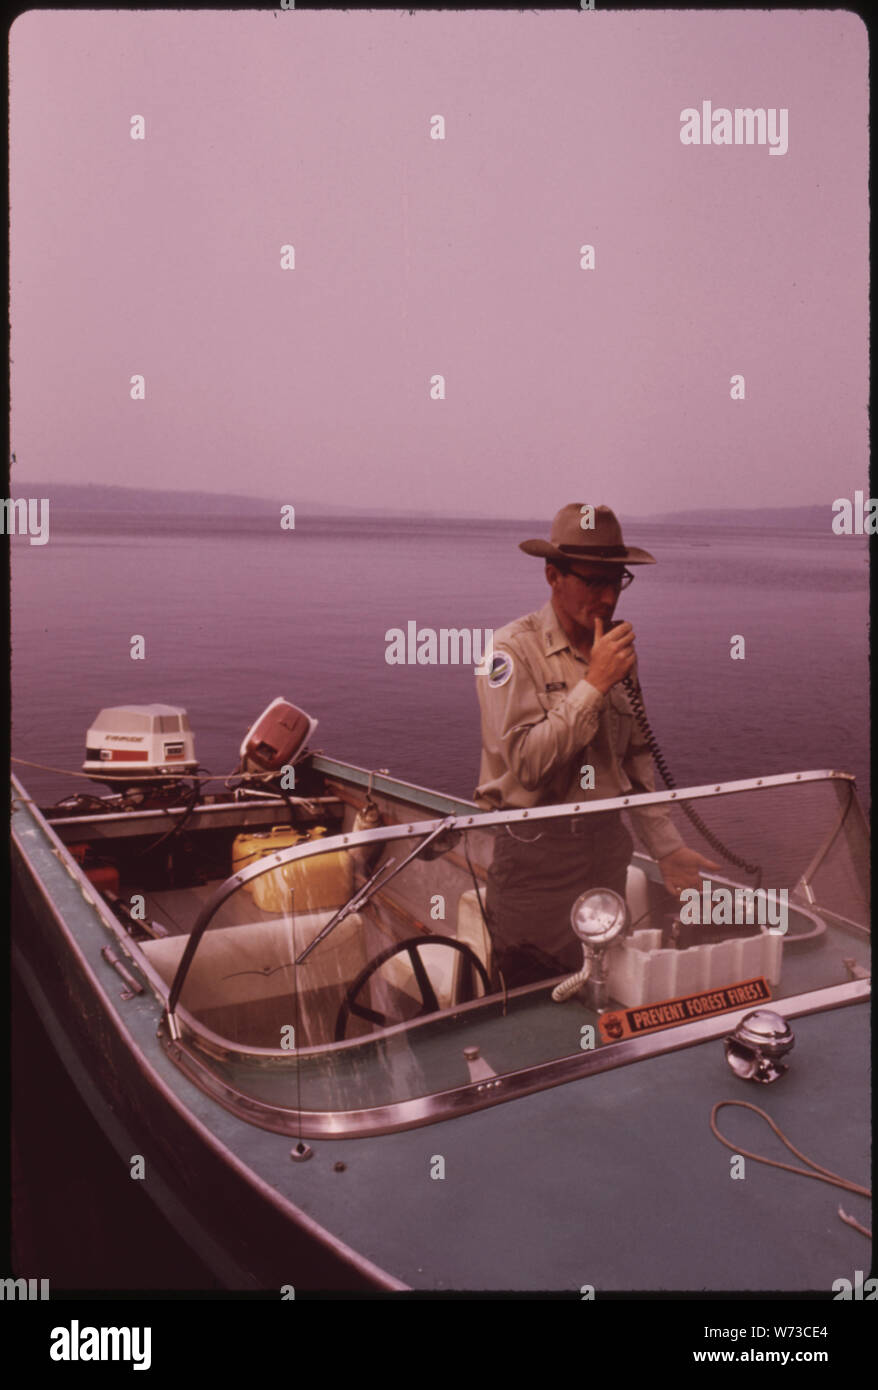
(576, 826)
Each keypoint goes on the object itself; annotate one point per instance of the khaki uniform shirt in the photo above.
(542, 723)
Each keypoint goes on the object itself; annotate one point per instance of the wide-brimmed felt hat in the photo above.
(600, 544)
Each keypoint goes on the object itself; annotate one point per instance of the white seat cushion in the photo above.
(255, 961)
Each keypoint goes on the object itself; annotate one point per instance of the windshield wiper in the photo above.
(362, 895)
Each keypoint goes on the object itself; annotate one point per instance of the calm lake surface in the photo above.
(236, 613)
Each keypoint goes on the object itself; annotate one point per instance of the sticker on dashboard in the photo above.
(630, 1023)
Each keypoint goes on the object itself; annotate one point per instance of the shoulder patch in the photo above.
(501, 669)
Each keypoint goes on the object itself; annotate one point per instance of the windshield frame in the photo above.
(430, 1108)
(431, 830)
(211, 1060)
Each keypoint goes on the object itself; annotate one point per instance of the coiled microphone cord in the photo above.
(668, 779)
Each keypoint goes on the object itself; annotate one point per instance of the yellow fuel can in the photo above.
(320, 882)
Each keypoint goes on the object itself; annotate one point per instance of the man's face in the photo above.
(582, 602)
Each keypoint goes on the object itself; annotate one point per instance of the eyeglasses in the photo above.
(597, 582)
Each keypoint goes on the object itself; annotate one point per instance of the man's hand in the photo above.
(680, 869)
(612, 655)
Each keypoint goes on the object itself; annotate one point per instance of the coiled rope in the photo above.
(819, 1173)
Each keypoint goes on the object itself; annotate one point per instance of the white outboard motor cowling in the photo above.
(140, 743)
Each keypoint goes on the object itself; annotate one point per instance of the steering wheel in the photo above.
(428, 994)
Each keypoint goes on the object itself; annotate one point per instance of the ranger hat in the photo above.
(574, 538)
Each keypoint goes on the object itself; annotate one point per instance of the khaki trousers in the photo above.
(535, 877)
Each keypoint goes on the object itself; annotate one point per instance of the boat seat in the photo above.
(472, 932)
(637, 898)
(238, 967)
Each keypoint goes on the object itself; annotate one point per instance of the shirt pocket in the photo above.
(551, 699)
(621, 720)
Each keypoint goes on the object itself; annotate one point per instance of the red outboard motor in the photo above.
(277, 738)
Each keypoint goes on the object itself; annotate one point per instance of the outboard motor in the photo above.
(140, 745)
(277, 739)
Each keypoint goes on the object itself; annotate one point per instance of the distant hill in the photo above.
(155, 502)
(83, 499)
(791, 518)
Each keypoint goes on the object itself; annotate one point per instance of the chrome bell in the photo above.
(754, 1050)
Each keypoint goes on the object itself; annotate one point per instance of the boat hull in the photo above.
(231, 1220)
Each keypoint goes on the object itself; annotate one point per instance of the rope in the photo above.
(90, 777)
(44, 767)
(819, 1173)
(305, 801)
(856, 1224)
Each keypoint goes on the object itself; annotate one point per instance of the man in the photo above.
(557, 726)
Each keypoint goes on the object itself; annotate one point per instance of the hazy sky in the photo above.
(417, 256)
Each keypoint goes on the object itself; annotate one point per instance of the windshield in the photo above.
(370, 969)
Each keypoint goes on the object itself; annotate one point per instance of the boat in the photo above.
(282, 995)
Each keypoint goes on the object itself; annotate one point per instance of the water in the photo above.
(233, 617)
